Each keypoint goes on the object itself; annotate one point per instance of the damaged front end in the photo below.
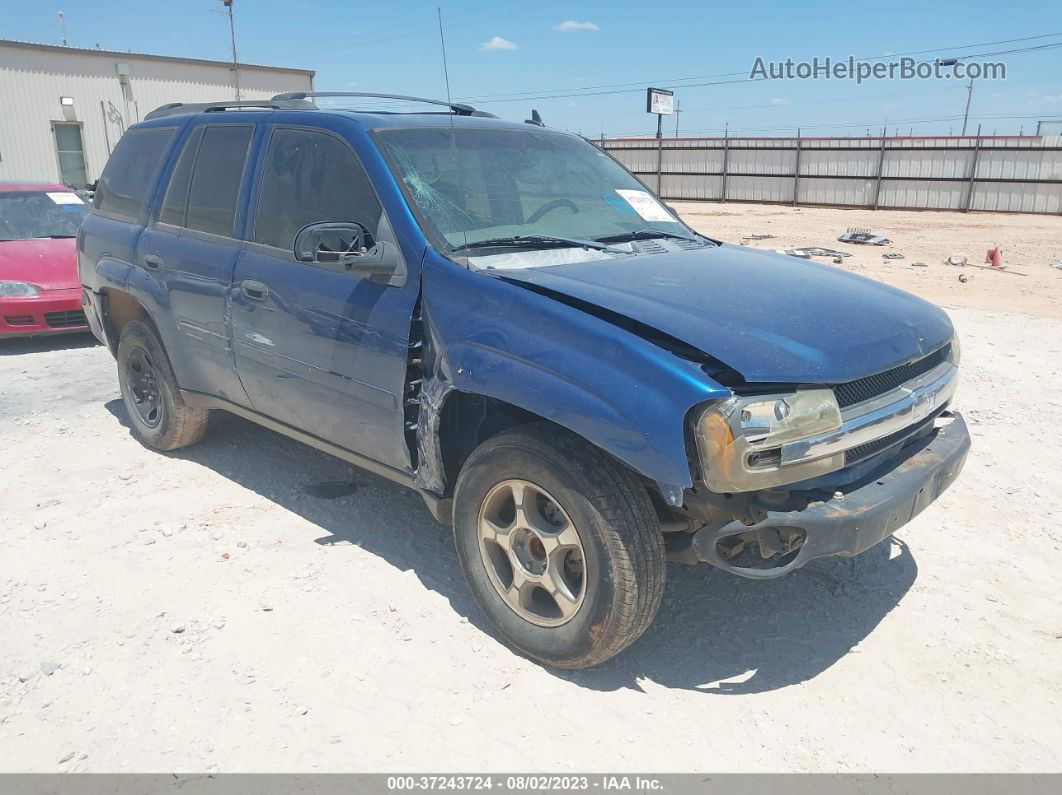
(766, 534)
(789, 478)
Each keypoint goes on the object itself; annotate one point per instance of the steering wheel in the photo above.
(550, 206)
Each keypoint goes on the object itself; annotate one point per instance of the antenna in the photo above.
(453, 136)
(442, 41)
(232, 34)
(62, 25)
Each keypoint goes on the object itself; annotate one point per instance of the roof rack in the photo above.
(459, 108)
(276, 103)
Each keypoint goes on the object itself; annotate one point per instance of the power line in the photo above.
(622, 88)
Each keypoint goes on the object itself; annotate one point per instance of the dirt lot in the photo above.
(232, 608)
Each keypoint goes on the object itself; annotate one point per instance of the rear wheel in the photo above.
(560, 545)
(158, 416)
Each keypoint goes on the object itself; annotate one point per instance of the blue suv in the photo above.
(503, 318)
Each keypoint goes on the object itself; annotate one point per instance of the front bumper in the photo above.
(866, 513)
(51, 312)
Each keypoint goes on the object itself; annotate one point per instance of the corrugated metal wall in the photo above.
(32, 80)
(1005, 173)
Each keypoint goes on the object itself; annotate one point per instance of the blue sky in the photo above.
(506, 48)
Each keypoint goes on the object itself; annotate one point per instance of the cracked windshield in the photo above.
(518, 198)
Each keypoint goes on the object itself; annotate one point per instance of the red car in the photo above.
(39, 288)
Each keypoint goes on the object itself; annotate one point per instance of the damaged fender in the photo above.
(618, 391)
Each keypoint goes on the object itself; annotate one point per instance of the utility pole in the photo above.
(966, 114)
(678, 110)
(232, 33)
(969, 91)
(62, 25)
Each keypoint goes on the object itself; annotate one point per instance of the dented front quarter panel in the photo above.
(493, 338)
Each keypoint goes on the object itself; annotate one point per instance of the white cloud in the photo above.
(569, 26)
(779, 101)
(498, 43)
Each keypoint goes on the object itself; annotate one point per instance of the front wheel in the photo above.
(560, 545)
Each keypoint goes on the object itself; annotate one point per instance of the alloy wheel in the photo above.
(532, 553)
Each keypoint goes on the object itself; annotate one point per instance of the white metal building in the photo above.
(62, 109)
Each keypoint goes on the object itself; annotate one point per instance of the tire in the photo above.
(147, 381)
(568, 482)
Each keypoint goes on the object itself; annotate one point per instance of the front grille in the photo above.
(853, 455)
(70, 319)
(18, 320)
(873, 385)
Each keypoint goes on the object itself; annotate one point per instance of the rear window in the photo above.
(215, 185)
(130, 169)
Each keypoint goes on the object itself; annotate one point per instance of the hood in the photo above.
(770, 317)
(50, 263)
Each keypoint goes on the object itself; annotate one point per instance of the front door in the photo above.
(318, 348)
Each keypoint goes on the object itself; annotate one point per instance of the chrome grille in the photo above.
(873, 385)
(854, 455)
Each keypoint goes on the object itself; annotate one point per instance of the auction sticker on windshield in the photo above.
(645, 205)
(65, 198)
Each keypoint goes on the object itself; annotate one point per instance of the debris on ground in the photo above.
(893, 255)
(964, 278)
(758, 237)
(919, 265)
(863, 237)
(1057, 264)
(807, 252)
(957, 259)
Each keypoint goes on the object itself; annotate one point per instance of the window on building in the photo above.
(124, 183)
(215, 185)
(311, 177)
(71, 152)
(175, 205)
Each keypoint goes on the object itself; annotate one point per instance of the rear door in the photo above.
(319, 348)
(108, 237)
(191, 249)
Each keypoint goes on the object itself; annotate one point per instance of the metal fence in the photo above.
(995, 173)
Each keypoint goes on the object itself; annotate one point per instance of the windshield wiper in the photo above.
(535, 241)
(641, 234)
(54, 237)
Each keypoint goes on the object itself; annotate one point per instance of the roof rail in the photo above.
(181, 108)
(457, 107)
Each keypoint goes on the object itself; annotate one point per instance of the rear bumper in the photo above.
(51, 312)
(871, 511)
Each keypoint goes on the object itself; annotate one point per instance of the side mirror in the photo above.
(346, 246)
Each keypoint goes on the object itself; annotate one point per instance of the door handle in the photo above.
(151, 262)
(256, 291)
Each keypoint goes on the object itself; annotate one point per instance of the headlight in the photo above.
(956, 350)
(740, 439)
(18, 289)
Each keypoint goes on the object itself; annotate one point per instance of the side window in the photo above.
(310, 177)
(125, 181)
(215, 185)
(175, 205)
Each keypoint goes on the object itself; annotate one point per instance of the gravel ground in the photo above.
(239, 606)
